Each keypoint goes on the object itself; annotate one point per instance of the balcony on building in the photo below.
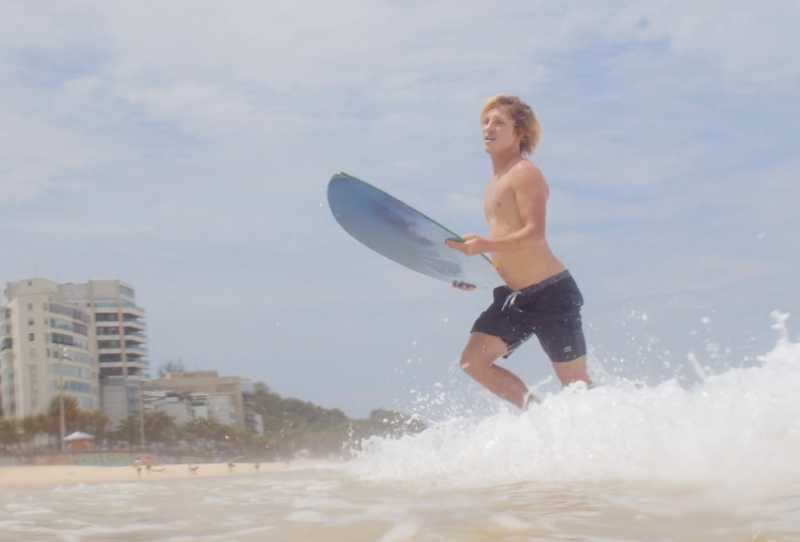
(134, 332)
(119, 368)
(135, 350)
(124, 307)
(134, 325)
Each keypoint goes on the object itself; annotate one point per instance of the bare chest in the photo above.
(499, 202)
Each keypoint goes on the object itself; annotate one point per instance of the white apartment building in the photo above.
(187, 406)
(220, 398)
(46, 347)
(222, 409)
(119, 327)
(87, 337)
(118, 340)
(170, 403)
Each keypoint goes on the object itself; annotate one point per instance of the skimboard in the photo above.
(401, 233)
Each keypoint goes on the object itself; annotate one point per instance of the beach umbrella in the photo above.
(78, 435)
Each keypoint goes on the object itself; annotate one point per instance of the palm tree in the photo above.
(30, 426)
(94, 422)
(127, 430)
(206, 429)
(160, 427)
(71, 415)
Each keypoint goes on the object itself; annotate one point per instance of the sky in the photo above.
(185, 147)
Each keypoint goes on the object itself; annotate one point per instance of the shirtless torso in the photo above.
(532, 263)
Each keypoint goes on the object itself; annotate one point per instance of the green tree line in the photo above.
(14, 431)
(290, 426)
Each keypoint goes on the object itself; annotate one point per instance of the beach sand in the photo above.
(57, 475)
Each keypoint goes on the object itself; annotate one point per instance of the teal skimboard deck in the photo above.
(401, 233)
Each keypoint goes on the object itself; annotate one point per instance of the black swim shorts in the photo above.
(550, 309)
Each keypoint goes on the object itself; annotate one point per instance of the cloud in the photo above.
(272, 72)
(568, 208)
(39, 157)
(747, 44)
(79, 231)
(693, 273)
(202, 109)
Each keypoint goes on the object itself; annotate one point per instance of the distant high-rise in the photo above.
(119, 342)
(87, 337)
(46, 348)
(119, 326)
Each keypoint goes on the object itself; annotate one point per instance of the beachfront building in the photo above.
(173, 404)
(119, 341)
(208, 395)
(46, 350)
(85, 338)
(184, 407)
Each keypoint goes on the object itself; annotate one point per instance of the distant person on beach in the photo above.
(539, 297)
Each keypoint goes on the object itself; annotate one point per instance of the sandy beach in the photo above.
(56, 475)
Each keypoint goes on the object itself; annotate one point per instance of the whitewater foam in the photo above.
(736, 429)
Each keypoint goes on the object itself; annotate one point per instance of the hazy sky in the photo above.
(185, 147)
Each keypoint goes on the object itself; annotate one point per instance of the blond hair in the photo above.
(525, 123)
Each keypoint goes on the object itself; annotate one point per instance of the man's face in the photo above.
(498, 131)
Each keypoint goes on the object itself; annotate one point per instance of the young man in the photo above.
(540, 296)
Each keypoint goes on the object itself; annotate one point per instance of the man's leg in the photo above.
(572, 371)
(478, 361)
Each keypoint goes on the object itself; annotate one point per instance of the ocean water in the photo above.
(719, 461)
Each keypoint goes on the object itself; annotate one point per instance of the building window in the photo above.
(30, 306)
(30, 321)
(106, 317)
(31, 337)
(68, 340)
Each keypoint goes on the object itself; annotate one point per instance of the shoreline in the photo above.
(51, 476)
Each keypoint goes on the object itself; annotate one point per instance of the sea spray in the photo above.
(736, 429)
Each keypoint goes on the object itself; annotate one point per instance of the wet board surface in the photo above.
(401, 233)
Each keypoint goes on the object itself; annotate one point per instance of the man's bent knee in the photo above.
(475, 365)
(469, 365)
(480, 353)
